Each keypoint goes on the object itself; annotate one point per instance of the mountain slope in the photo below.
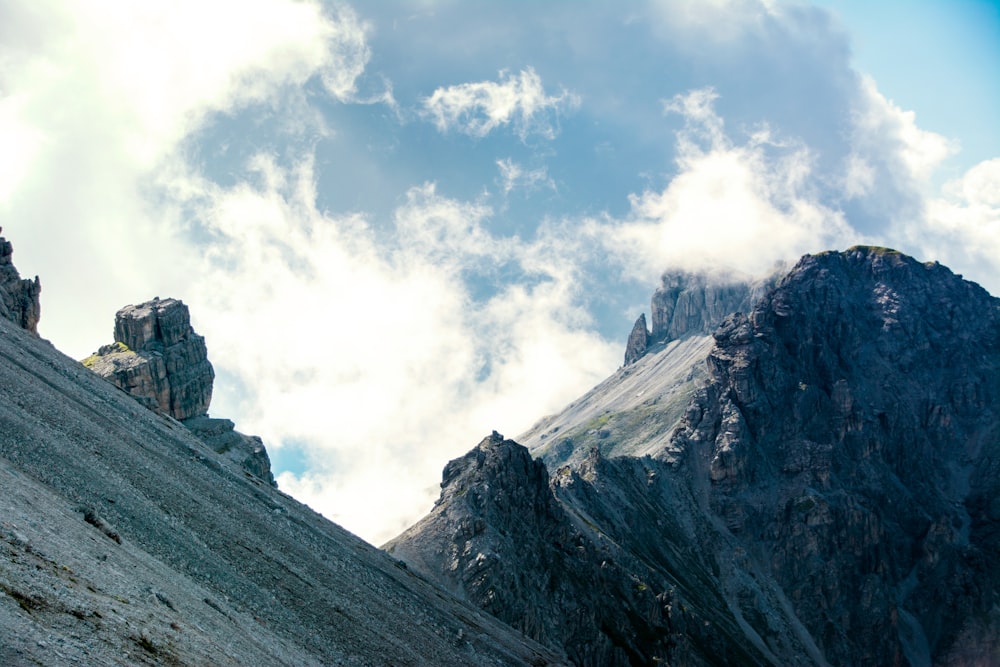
(125, 540)
(828, 497)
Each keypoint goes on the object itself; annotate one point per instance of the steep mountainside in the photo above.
(126, 540)
(635, 410)
(828, 497)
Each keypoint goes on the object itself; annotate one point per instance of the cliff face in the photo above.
(850, 431)
(19, 298)
(688, 303)
(829, 496)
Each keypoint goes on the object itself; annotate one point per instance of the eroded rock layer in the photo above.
(158, 358)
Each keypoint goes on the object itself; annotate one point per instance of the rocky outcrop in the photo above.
(19, 298)
(159, 359)
(829, 496)
(246, 450)
(498, 537)
(637, 341)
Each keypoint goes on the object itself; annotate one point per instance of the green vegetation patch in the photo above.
(114, 348)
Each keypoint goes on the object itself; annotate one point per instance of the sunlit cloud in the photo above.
(102, 97)
(375, 356)
(517, 100)
(732, 205)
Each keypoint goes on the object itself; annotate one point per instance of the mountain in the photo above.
(126, 539)
(816, 482)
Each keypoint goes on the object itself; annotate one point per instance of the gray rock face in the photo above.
(829, 496)
(158, 357)
(637, 341)
(691, 303)
(126, 540)
(851, 434)
(498, 536)
(19, 298)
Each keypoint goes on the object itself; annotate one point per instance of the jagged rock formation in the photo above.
(19, 298)
(691, 304)
(638, 340)
(851, 433)
(829, 496)
(246, 450)
(125, 540)
(159, 359)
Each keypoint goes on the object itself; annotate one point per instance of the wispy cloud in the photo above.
(515, 176)
(103, 98)
(517, 100)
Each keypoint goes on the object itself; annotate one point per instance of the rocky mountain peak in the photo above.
(828, 495)
(19, 298)
(857, 405)
(688, 304)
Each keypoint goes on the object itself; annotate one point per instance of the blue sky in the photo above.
(401, 225)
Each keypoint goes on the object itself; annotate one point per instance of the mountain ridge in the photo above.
(833, 474)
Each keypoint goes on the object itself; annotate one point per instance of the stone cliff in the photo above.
(828, 497)
(19, 298)
(159, 359)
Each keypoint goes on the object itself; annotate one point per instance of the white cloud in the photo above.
(882, 130)
(518, 100)
(962, 226)
(731, 206)
(514, 176)
(102, 96)
(375, 356)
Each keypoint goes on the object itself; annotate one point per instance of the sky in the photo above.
(401, 225)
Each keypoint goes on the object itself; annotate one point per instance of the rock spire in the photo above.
(19, 298)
